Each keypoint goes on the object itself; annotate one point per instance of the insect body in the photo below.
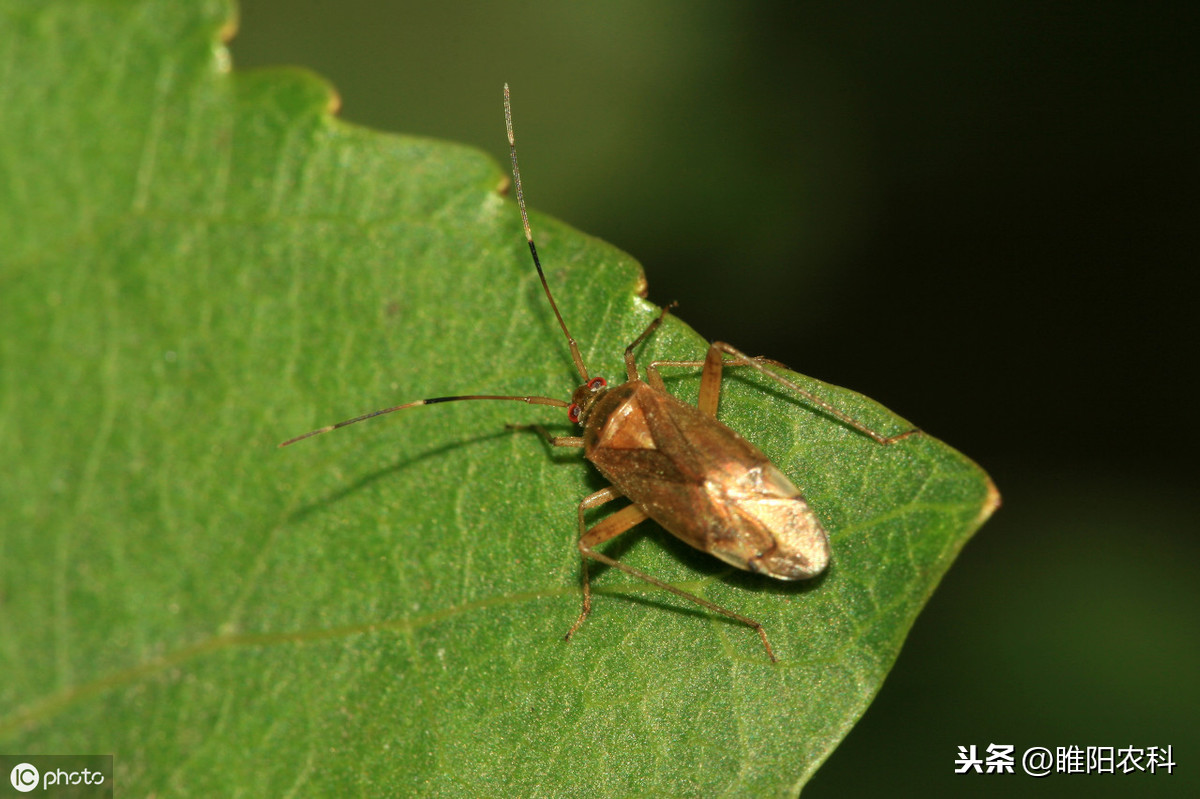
(676, 463)
(705, 483)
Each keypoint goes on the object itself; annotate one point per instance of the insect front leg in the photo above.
(710, 386)
(613, 526)
(631, 371)
(552, 440)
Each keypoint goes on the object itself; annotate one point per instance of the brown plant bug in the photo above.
(677, 464)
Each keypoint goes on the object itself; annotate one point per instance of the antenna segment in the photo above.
(512, 149)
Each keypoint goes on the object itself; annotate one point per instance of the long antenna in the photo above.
(531, 400)
(512, 149)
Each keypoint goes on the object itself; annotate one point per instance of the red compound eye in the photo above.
(597, 382)
(573, 413)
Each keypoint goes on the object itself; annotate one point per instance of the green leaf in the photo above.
(198, 264)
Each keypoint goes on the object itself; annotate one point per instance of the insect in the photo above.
(676, 463)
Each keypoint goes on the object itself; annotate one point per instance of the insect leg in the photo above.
(613, 526)
(710, 378)
(710, 387)
(552, 440)
(631, 371)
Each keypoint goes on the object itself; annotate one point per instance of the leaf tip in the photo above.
(991, 502)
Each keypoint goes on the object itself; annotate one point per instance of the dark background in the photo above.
(983, 215)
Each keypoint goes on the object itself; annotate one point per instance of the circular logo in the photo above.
(24, 777)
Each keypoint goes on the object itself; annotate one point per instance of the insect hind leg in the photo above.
(710, 377)
(710, 386)
(613, 526)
